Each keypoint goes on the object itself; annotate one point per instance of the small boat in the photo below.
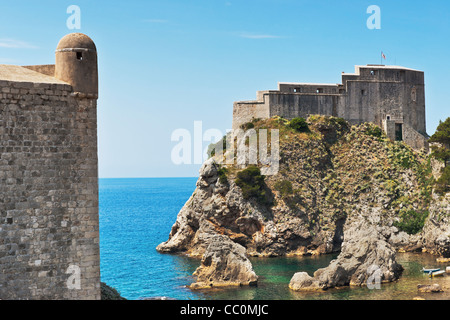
(430, 270)
(437, 273)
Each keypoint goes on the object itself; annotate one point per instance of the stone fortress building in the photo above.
(49, 227)
(391, 97)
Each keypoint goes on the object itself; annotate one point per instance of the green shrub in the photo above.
(374, 131)
(286, 191)
(411, 221)
(341, 122)
(299, 125)
(443, 183)
(442, 136)
(284, 187)
(252, 184)
(248, 126)
(223, 175)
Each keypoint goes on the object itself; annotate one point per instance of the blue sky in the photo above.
(165, 64)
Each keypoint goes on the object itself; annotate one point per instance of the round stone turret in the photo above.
(76, 64)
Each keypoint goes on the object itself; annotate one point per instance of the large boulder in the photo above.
(302, 281)
(366, 258)
(224, 264)
(201, 217)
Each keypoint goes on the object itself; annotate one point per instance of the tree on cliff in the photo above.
(441, 151)
(442, 137)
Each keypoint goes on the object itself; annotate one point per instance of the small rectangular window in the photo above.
(79, 55)
(414, 94)
(319, 90)
(398, 132)
(363, 92)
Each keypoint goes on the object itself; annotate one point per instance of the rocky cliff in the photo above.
(332, 177)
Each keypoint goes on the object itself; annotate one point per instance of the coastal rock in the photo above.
(204, 215)
(366, 257)
(217, 208)
(302, 281)
(429, 288)
(343, 192)
(435, 237)
(224, 263)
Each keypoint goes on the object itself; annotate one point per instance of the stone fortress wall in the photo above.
(389, 96)
(49, 229)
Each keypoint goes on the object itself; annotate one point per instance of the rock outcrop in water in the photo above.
(214, 209)
(331, 179)
(429, 288)
(366, 258)
(224, 264)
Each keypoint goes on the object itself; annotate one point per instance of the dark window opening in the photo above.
(319, 90)
(363, 92)
(296, 90)
(9, 220)
(388, 118)
(373, 72)
(398, 132)
(79, 55)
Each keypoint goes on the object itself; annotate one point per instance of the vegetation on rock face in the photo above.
(374, 131)
(329, 177)
(411, 221)
(299, 125)
(252, 184)
(330, 170)
(248, 126)
(441, 151)
(222, 172)
(284, 187)
(443, 183)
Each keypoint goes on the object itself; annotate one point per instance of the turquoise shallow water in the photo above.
(137, 214)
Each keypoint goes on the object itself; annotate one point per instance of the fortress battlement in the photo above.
(391, 97)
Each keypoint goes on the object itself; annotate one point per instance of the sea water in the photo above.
(137, 214)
